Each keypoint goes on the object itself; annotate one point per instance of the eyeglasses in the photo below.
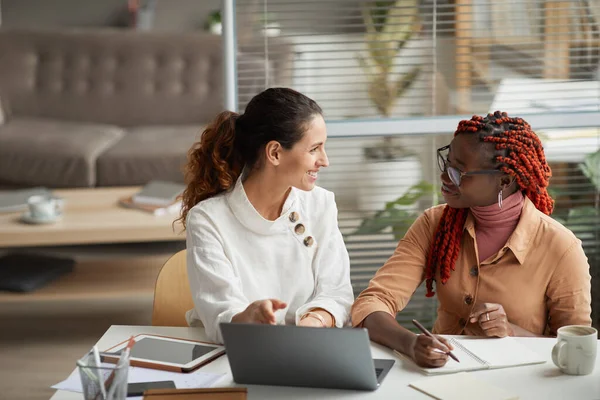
(454, 174)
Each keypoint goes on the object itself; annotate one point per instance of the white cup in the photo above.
(575, 351)
(44, 207)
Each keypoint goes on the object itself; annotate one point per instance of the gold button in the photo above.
(308, 241)
(299, 229)
(294, 216)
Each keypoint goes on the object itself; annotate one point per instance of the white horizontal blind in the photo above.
(363, 186)
(395, 77)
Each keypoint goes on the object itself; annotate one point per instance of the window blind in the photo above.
(395, 77)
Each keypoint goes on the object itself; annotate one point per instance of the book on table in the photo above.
(484, 353)
(173, 208)
(159, 193)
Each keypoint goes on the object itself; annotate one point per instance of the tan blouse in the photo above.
(541, 277)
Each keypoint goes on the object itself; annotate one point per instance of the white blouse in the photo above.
(235, 257)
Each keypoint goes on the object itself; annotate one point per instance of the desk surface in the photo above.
(542, 381)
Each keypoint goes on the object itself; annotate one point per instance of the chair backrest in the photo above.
(172, 296)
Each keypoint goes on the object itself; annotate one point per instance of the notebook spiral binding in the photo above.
(473, 356)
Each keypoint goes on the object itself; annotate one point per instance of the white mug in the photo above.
(575, 351)
(44, 207)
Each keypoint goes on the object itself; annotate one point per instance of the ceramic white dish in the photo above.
(27, 218)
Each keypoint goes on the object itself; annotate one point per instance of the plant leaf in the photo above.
(395, 214)
(405, 82)
(591, 168)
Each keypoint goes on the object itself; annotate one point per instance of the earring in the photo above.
(500, 198)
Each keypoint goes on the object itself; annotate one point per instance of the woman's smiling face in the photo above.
(300, 165)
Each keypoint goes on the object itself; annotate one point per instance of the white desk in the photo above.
(542, 381)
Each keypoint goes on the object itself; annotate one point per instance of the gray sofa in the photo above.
(87, 108)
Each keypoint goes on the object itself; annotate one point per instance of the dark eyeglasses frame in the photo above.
(458, 174)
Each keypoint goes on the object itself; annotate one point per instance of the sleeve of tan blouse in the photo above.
(569, 291)
(395, 282)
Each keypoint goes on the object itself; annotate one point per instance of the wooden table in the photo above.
(91, 216)
(541, 381)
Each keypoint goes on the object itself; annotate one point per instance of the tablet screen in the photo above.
(168, 351)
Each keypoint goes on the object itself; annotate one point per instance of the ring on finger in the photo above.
(487, 315)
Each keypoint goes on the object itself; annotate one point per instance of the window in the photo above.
(395, 77)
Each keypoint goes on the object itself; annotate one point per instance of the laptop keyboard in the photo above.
(378, 372)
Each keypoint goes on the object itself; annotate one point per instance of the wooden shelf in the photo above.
(99, 280)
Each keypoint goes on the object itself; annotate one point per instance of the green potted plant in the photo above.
(390, 169)
(580, 219)
(584, 221)
(213, 23)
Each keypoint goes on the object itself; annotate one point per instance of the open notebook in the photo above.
(485, 353)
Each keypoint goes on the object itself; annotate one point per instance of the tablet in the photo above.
(166, 353)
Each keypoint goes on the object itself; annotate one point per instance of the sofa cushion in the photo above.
(120, 77)
(147, 153)
(52, 153)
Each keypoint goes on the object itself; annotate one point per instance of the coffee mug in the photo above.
(575, 351)
(44, 207)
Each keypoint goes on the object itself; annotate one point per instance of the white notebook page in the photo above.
(485, 353)
(467, 363)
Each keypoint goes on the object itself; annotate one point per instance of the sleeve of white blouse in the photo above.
(333, 290)
(216, 289)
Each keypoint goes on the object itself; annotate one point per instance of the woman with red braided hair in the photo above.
(501, 265)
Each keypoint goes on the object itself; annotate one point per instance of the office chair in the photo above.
(172, 296)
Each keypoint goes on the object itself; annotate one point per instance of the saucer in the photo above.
(27, 218)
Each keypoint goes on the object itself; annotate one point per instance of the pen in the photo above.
(120, 364)
(426, 332)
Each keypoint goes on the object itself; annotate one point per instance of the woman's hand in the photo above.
(428, 352)
(260, 312)
(492, 319)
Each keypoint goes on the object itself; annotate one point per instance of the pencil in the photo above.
(122, 359)
(426, 332)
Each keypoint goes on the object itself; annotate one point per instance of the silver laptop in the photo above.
(285, 355)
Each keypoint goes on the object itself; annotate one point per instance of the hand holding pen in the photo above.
(430, 350)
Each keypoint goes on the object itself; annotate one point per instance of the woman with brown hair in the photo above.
(501, 265)
(263, 244)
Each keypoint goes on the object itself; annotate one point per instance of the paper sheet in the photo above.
(196, 379)
(461, 386)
